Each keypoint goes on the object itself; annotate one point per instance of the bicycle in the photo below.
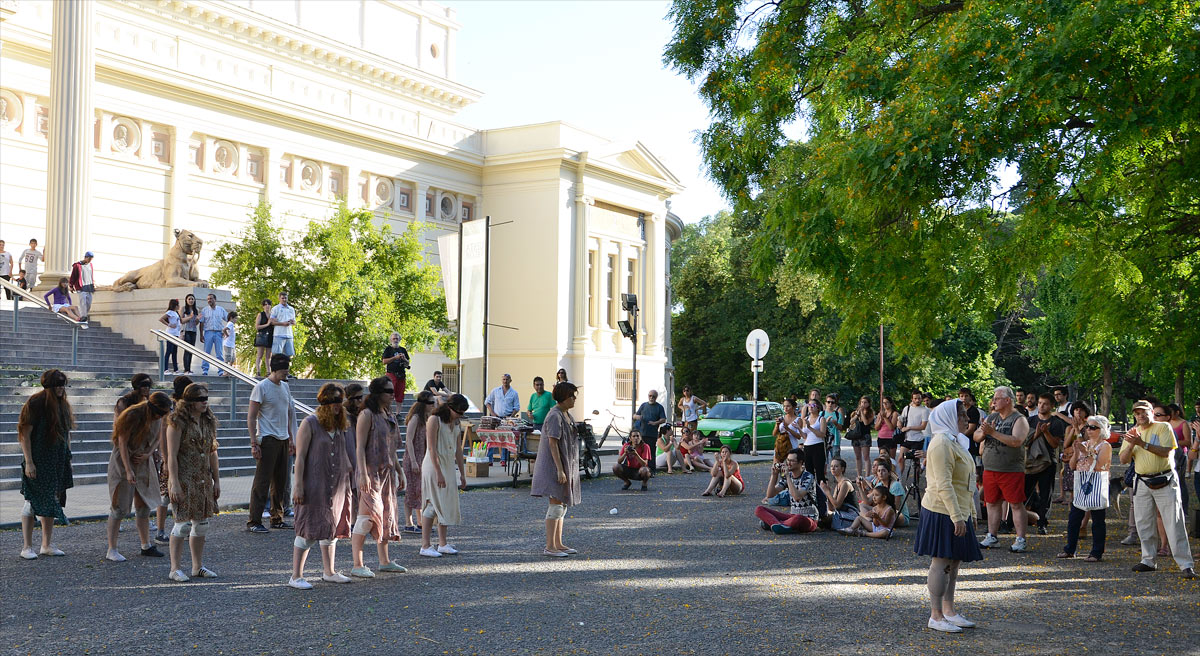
(911, 480)
(611, 428)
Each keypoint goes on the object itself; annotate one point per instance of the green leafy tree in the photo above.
(720, 300)
(351, 281)
(870, 138)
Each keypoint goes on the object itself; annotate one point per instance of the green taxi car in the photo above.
(728, 423)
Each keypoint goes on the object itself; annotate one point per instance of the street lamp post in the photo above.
(629, 329)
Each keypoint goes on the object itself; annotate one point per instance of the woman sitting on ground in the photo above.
(841, 508)
(692, 447)
(798, 488)
(726, 475)
(633, 461)
(61, 303)
(877, 516)
(668, 450)
(883, 473)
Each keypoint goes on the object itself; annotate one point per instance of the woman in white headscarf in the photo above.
(947, 530)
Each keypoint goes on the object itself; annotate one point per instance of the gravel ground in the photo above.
(670, 573)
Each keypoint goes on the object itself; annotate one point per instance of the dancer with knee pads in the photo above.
(378, 478)
(194, 474)
(556, 474)
(132, 480)
(321, 489)
(44, 432)
(439, 500)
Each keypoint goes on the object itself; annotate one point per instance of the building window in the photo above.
(429, 205)
(610, 290)
(591, 289)
(630, 276)
(402, 196)
(450, 376)
(624, 384)
(466, 212)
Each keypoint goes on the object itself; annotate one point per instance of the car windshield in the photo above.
(729, 411)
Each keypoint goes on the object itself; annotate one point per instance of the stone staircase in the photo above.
(106, 363)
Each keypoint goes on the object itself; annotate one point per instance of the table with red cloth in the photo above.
(500, 439)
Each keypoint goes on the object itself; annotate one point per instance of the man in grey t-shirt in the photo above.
(272, 421)
(1002, 446)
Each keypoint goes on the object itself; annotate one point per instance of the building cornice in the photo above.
(312, 50)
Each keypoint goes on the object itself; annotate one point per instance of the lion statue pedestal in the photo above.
(134, 314)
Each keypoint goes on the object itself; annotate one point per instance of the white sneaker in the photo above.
(430, 552)
(987, 543)
(960, 621)
(336, 577)
(1018, 546)
(943, 626)
(447, 549)
(299, 584)
(114, 556)
(29, 554)
(52, 551)
(554, 554)
(178, 575)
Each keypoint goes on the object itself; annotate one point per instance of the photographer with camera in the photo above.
(913, 421)
(396, 359)
(796, 490)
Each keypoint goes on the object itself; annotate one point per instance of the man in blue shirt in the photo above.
(503, 400)
(212, 322)
(649, 417)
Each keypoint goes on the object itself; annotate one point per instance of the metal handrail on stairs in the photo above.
(233, 374)
(41, 303)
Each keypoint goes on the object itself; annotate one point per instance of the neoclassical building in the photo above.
(123, 120)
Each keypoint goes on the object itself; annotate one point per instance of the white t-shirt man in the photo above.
(914, 415)
(229, 340)
(275, 412)
(283, 313)
(6, 263)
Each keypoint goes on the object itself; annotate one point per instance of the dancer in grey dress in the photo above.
(556, 471)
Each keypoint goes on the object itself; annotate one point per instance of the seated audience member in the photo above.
(778, 492)
(840, 506)
(692, 448)
(884, 473)
(801, 515)
(668, 450)
(726, 475)
(877, 516)
(633, 462)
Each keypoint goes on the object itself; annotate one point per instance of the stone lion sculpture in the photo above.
(178, 269)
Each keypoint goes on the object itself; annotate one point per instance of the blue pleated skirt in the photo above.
(936, 539)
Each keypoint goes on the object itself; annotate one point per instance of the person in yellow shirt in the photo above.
(1150, 447)
(946, 531)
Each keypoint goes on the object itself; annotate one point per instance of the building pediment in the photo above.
(634, 157)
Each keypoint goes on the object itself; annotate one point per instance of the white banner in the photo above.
(474, 251)
(448, 255)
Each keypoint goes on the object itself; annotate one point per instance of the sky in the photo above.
(594, 64)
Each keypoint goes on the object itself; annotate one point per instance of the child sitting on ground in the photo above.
(876, 517)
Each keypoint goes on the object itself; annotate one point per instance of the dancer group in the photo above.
(347, 480)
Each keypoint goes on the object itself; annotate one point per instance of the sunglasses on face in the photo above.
(389, 390)
(355, 398)
(1091, 427)
(203, 399)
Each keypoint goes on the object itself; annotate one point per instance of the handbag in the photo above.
(1039, 457)
(1091, 488)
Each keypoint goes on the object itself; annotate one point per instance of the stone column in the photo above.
(72, 117)
(656, 283)
(578, 295)
(181, 164)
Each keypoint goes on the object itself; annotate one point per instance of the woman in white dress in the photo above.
(442, 453)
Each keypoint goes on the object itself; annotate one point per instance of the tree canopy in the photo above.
(720, 302)
(928, 163)
(351, 281)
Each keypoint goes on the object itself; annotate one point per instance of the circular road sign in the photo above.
(757, 337)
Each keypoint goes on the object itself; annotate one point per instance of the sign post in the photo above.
(757, 344)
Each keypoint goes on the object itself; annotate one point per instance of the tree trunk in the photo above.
(1179, 374)
(1106, 396)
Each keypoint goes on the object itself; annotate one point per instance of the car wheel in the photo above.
(744, 445)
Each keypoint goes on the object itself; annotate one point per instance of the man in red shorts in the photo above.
(1002, 446)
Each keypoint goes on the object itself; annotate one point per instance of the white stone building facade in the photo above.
(187, 113)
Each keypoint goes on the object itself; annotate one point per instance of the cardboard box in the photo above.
(477, 469)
